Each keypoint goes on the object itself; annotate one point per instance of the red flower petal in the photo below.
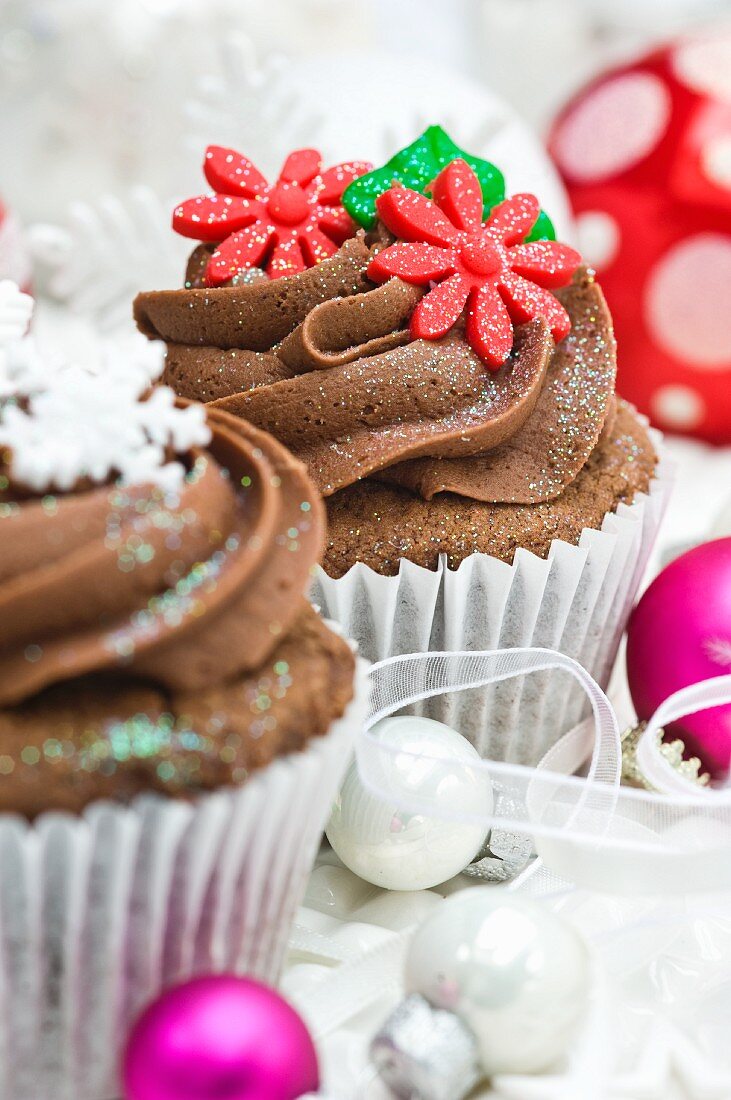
(286, 259)
(440, 309)
(456, 191)
(526, 302)
(233, 174)
(545, 262)
(316, 246)
(514, 218)
(300, 167)
(414, 263)
(243, 249)
(213, 217)
(489, 329)
(335, 180)
(337, 224)
(413, 217)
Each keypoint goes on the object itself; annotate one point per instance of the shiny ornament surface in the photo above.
(645, 152)
(425, 1053)
(405, 851)
(220, 1038)
(513, 971)
(680, 634)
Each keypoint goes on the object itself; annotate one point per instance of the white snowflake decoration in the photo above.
(14, 256)
(64, 422)
(250, 103)
(16, 309)
(108, 251)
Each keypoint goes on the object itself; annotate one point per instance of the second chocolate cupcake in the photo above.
(447, 375)
(174, 716)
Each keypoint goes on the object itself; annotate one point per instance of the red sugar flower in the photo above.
(485, 267)
(286, 226)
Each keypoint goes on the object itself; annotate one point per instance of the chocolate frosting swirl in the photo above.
(423, 398)
(185, 590)
(575, 406)
(324, 361)
(255, 316)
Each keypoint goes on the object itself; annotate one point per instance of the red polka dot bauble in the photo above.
(645, 152)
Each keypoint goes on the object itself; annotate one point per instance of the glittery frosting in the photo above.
(324, 360)
(576, 405)
(148, 636)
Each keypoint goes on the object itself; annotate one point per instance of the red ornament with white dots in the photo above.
(645, 152)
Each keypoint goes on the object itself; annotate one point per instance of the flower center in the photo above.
(481, 255)
(288, 204)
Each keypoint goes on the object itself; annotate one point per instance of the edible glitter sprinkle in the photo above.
(175, 751)
(169, 609)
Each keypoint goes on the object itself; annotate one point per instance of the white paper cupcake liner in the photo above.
(99, 912)
(577, 601)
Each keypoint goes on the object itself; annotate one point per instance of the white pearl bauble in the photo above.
(516, 973)
(403, 851)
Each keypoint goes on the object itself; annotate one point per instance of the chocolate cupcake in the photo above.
(174, 716)
(448, 378)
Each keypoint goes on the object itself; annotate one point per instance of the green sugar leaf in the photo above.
(416, 166)
(543, 229)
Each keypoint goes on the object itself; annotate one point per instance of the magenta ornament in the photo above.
(680, 634)
(219, 1038)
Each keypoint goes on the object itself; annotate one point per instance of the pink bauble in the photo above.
(220, 1038)
(680, 634)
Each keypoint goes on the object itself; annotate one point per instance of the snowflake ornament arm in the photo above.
(485, 267)
(248, 92)
(16, 309)
(109, 249)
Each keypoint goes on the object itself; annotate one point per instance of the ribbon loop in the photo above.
(653, 765)
(587, 828)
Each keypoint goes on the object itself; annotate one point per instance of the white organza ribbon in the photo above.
(587, 829)
(653, 765)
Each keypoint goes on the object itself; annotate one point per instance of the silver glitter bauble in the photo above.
(426, 1052)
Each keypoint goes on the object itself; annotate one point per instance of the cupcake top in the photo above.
(421, 351)
(153, 561)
